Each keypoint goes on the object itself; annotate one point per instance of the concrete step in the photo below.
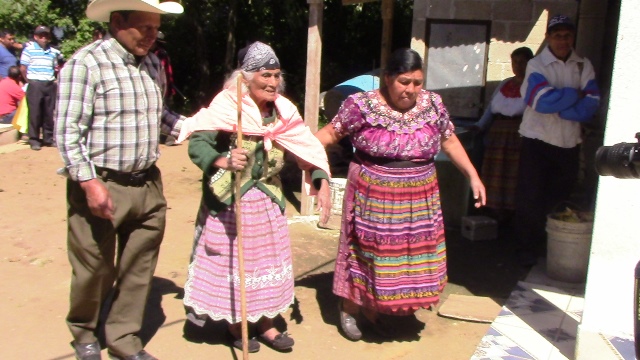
(8, 134)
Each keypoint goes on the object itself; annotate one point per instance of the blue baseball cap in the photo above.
(560, 21)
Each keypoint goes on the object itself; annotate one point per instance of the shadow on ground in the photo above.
(484, 268)
(401, 328)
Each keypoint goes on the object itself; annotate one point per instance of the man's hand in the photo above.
(98, 198)
(324, 201)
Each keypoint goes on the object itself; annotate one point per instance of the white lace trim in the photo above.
(286, 272)
(273, 277)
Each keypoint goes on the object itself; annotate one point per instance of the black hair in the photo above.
(403, 60)
(14, 72)
(124, 13)
(524, 52)
(99, 30)
(5, 32)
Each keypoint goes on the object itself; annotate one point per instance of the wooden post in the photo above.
(312, 94)
(386, 9)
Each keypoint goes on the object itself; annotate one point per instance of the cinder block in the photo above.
(477, 228)
(498, 30)
(520, 31)
(472, 10)
(556, 7)
(496, 71)
(512, 10)
(439, 9)
(500, 52)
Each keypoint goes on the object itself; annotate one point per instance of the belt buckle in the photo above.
(137, 178)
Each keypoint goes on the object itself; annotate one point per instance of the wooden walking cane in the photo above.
(243, 295)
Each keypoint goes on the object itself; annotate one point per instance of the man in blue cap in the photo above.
(38, 64)
(561, 93)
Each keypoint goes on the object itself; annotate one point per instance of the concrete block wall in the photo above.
(514, 23)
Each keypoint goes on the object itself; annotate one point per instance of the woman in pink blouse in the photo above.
(392, 257)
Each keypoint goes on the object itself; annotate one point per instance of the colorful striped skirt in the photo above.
(500, 163)
(392, 254)
(213, 283)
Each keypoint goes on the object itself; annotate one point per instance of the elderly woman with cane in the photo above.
(271, 126)
(392, 256)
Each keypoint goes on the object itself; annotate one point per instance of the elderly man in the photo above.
(38, 63)
(561, 93)
(109, 114)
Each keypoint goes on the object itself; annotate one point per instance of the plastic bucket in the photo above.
(568, 248)
(337, 186)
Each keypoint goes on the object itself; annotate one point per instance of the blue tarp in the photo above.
(366, 82)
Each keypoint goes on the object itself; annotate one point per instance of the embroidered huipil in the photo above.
(110, 111)
(380, 131)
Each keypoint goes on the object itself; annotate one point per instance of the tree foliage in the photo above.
(199, 40)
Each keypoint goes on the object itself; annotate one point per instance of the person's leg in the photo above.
(34, 99)
(139, 239)
(530, 209)
(272, 337)
(564, 165)
(48, 107)
(236, 334)
(91, 251)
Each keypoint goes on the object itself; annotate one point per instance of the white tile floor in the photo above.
(539, 322)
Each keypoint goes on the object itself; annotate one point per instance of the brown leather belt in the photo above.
(136, 178)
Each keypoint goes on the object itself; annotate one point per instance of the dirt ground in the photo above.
(35, 275)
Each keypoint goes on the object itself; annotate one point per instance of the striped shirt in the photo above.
(110, 111)
(41, 63)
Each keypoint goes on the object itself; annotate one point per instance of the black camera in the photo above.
(620, 160)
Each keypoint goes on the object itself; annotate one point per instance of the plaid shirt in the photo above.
(110, 111)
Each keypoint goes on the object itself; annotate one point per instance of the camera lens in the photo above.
(617, 161)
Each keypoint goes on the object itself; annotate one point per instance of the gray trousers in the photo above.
(137, 230)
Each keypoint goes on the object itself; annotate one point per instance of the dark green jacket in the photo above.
(206, 146)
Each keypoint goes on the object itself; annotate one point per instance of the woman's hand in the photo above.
(235, 161)
(479, 192)
(324, 201)
(238, 159)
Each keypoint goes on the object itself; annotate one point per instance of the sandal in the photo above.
(281, 342)
(348, 324)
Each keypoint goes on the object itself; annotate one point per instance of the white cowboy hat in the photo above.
(100, 10)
